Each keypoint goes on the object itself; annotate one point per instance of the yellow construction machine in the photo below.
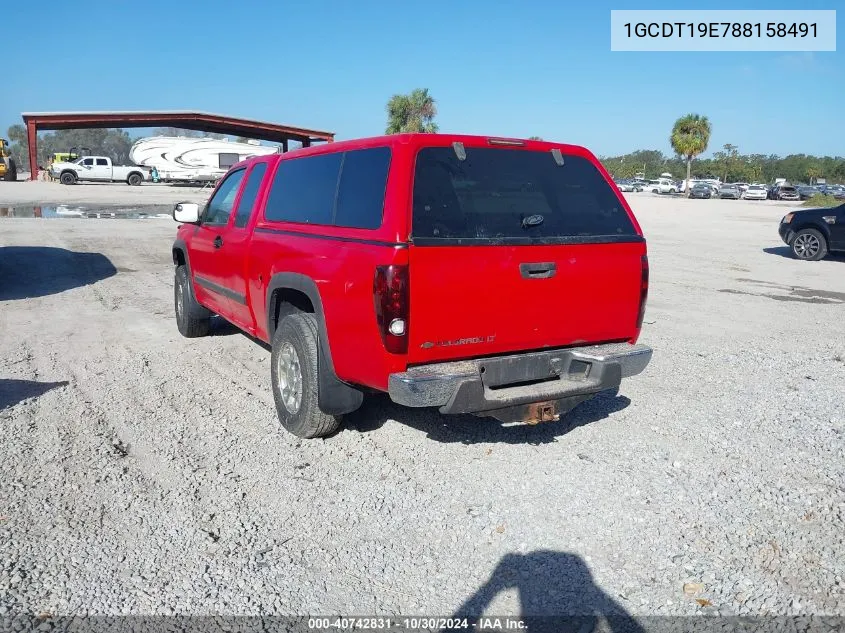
(8, 169)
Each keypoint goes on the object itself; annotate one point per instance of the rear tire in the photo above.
(809, 245)
(68, 178)
(134, 179)
(295, 378)
(192, 319)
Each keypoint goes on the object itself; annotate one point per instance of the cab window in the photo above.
(223, 201)
(253, 184)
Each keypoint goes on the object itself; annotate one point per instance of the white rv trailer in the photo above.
(179, 158)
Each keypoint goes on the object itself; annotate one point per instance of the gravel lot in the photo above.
(144, 473)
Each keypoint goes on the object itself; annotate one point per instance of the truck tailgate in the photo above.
(518, 248)
(484, 300)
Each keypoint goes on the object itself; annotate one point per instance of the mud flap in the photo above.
(334, 397)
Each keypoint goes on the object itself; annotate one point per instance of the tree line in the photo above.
(729, 165)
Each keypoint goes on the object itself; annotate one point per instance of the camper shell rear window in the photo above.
(513, 196)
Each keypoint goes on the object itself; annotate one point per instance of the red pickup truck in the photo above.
(497, 277)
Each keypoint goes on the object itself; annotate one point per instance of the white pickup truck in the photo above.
(98, 168)
(661, 185)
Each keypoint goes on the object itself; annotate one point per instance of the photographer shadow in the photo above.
(556, 594)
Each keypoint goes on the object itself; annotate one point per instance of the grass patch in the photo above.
(822, 201)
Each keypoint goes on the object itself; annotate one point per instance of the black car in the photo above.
(813, 233)
(701, 190)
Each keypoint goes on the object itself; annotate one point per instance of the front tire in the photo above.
(295, 378)
(809, 245)
(192, 319)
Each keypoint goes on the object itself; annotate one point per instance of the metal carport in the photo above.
(202, 121)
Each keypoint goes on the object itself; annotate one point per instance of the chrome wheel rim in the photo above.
(806, 246)
(289, 374)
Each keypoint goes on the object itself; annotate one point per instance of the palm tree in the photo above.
(730, 158)
(813, 173)
(690, 136)
(413, 112)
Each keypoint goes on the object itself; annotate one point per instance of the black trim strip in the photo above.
(221, 290)
(336, 238)
(527, 241)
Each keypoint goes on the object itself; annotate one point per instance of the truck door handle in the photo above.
(218, 242)
(539, 270)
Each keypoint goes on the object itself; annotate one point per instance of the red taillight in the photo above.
(643, 291)
(391, 296)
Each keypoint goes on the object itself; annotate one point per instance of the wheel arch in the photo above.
(334, 396)
(180, 254)
(821, 227)
(180, 258)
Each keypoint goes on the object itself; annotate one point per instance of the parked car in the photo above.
(714, 187)
(730, 191)
(813, 233)
(837, 191)
(662, 185)
(787, 192)
(627, 186)
(701, 190)
(97, 168)
(807, 192)
(755, 192)
(344, 257)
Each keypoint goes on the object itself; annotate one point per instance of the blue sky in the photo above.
(496, 67)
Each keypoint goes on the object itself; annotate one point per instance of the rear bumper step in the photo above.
(565, 377)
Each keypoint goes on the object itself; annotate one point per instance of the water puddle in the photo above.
(66, 211)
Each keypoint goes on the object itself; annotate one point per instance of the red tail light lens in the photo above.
(643, 291)
(391, 296)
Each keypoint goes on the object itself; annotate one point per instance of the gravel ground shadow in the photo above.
(556, 593)
(36, 271)
(470, 429)
(14, 391)
(785, 251)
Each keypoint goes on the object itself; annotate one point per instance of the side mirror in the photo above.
(187, 212)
